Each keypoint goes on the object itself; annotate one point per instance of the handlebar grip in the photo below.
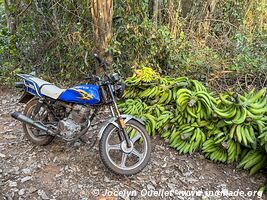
(101, 62)
(98, 58)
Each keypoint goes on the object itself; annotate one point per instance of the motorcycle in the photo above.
(50, 112)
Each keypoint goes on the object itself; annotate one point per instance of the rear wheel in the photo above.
(121, 159)
(43, 115)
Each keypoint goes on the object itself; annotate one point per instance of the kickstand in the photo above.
(83, 141)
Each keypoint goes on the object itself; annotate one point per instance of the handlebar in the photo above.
(101, 62)
(92, 78)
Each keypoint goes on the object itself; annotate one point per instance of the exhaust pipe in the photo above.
(29, 121)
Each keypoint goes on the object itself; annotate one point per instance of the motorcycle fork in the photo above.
(116, 113)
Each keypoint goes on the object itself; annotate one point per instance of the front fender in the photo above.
(126, 118)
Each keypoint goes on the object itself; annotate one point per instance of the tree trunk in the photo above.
(186, 7)
(102, 12)
(262, 15)
(210, 7)
(254, 16)
(10, 9)
(155, 11)
(174, 9)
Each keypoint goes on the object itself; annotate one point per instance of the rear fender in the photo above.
(26, 97)
(112, 121)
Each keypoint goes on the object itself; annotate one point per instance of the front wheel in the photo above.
(121, 159)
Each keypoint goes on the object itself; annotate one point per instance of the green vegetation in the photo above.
(223, 43)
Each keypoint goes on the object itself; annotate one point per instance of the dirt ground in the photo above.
(64, 170)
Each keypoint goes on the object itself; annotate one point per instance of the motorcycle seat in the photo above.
(47, 89)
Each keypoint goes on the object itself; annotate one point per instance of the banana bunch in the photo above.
(150, 92)
(254, 160)
(234, 151)
(166, 131)
(238, 109)
(167, 80)
(196, 105)
(131, 92)
(211, 128)
(263, 138)
(187, 138)
(256, 100)
(166, 97)
(220, 136)
(179, 82)
(143, 75)
(155, 110)
(164, 119)
(225, 151)
(197, 86)
(151, 123)
(163, 94)
(178, 118)
(244, 134)
(215, 152)
(259, 124)
(232, 110)
(132, 107)
(158, 124)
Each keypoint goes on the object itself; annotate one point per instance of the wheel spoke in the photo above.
(123, 159)
(137, 153)
(113, 147)
(135, 138)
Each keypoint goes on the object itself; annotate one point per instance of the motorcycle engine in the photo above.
(77, 119)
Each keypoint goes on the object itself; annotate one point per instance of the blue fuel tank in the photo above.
(82, 94)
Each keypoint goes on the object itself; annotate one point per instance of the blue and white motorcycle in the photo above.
(51, 111)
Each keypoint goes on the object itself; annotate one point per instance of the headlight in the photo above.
(120, 90)
(115, 77)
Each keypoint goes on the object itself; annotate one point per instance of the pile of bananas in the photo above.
(227, 128)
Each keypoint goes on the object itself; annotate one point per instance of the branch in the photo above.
(24, 9)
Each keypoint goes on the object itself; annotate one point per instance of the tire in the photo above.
(106, 158)
(29, 130)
